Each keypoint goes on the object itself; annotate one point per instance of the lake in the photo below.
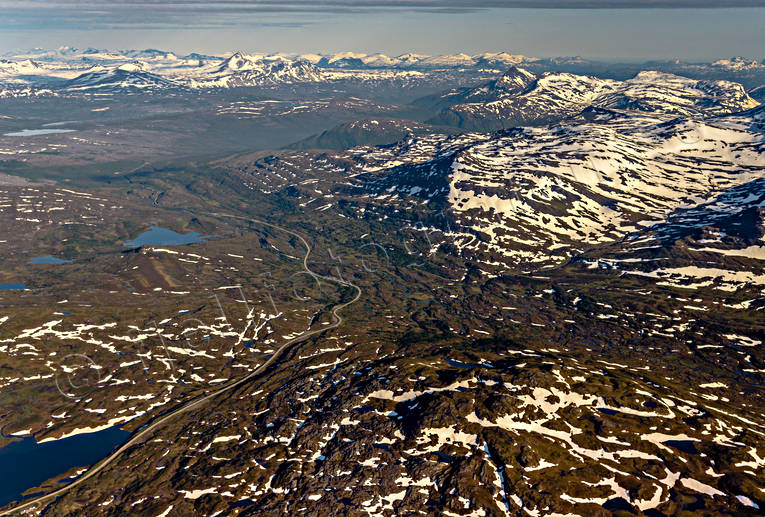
(25, 464)
(158, 236)
(35, 132)
(11, 287)
(48, 260)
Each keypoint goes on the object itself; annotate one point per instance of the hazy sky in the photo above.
(628, 29)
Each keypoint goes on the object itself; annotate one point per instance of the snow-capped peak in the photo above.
(136, 66)
(515, 78)
(239, 61)
(738, 63)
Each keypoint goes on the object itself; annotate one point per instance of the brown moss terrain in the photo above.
(621, 381)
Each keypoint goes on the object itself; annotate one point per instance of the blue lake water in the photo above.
(35, 132)
(683, 445)
(158, 236)
(26, 464)
(11, 287)
(48, 260)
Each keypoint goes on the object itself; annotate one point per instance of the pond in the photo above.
(25, 464)
(35, 132)
(683, 445)
(467, 366)
(158, 236)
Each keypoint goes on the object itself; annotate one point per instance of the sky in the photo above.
(695, 30)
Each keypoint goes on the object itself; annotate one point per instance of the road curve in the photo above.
(200, 400)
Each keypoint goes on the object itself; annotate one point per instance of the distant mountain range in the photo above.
(354, 60)
(41, 69)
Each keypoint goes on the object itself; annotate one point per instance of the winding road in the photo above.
(143, 433)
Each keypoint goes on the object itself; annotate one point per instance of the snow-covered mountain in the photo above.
(62, 70)
(520, 98)
(571, 187)
(24, 67)
(738, 64)
(248, 70)
(36, 74)
(529, 195)
(74, 55)
(241, 69)
(510, 84)
(253, 70)
(56, 69)
(127, 78)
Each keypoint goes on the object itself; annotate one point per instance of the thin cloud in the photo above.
(197, 14)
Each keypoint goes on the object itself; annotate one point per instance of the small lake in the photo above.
(35, 132)
(48, 260)
(25, 464)
(12, 287)
(158, 236)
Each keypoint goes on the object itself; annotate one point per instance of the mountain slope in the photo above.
(758, 93)
(512, 83)
(717, 244)
(376, 131)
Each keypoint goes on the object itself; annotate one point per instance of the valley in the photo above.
(377, 286)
